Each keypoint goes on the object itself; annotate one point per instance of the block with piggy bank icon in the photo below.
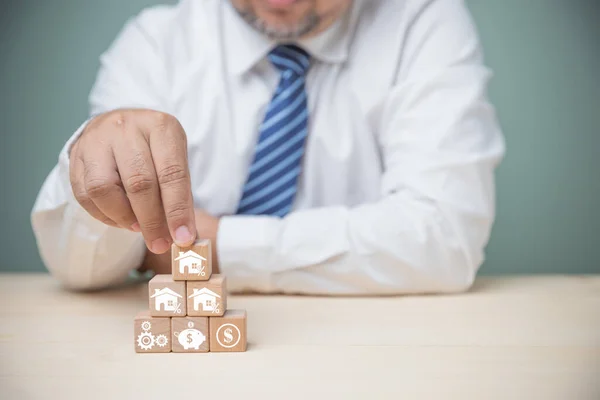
(190, 335)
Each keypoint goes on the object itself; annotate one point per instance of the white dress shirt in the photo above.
(397, 193)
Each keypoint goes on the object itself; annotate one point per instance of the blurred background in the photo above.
(545, 55)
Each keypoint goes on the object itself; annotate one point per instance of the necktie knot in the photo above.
(290, 58)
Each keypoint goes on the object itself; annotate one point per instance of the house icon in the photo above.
(166, 299)
(193, 262)
(205, 297)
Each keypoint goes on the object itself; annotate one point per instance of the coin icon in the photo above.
(228, 335)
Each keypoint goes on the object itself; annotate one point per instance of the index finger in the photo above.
(168, 145)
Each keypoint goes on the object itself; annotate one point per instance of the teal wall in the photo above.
(546, 59)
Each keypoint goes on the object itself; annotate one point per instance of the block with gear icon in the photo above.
(152, 334)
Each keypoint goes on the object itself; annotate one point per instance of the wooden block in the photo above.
(208, 298)
(192, 263)
(166, 297)
(228, 333)
(190, 334)
(151, 334)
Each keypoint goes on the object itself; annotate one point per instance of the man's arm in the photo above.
(440, 143)
(82, 252)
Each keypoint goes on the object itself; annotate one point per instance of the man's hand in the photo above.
(208, 228)
(129, 169)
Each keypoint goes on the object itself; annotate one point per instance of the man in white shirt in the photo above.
(331, 147)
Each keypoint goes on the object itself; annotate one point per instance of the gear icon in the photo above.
(161, 340)
(145, 340)
(146, 325)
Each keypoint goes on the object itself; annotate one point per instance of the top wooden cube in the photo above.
(193, 263)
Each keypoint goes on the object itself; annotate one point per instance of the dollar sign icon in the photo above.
(228, 335)
(189, 338)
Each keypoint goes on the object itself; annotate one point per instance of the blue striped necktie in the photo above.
(272, 181)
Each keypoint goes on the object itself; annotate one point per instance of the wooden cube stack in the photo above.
(187, 310)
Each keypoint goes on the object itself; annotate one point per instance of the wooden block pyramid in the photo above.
(187, 310)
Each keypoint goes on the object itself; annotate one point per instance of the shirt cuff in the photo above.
(244, 245)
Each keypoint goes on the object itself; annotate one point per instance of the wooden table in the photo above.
(508, 338)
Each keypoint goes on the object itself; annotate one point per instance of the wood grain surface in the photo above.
(528, 337)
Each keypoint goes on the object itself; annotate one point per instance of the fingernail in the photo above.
(136, 227)
(159, 246)
(183, 235)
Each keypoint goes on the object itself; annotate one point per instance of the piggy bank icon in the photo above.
(190, 338)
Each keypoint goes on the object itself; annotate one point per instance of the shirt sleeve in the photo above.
(81, 252)
(440, 142)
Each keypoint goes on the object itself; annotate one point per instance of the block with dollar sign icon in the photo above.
(228, 333)
(189, 334)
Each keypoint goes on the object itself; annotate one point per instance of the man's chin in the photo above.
(279, 33)
(282, 33)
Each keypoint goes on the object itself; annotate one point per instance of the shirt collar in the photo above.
(245, 46)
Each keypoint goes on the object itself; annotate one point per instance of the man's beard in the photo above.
(308, 24)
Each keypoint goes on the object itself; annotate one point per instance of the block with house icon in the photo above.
(207, 298)
(166, 296)
(182, 306)
(193, 263)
